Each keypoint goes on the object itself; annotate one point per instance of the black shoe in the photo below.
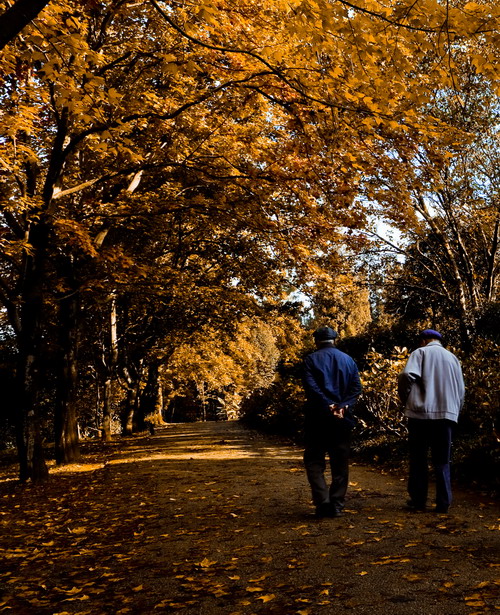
(338, 508)
(326, 510)
(441, 510)
(323, 510)
(413, 507)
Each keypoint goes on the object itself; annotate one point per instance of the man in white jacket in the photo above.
(432, 388)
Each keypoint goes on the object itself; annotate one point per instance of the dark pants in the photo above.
(333, 441)
(433, 435)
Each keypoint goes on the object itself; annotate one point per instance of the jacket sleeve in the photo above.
(410, 374)
(354, 389)
(313, 391)
(461, 387)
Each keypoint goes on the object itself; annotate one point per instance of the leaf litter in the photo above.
(129, 536)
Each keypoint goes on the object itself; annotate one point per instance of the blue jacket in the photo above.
(330, 377)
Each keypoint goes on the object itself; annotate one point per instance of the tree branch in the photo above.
(75, 140)
(399, 24)
(17, 17)
(273, 69)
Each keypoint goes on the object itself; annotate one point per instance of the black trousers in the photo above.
(433, 435)
(332, 439)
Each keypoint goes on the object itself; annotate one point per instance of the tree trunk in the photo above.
(130, 415)
(32, 464)
(152, 398)
(492, 261)
(18, 16)
(133, 417)
(28, 432)
(66, 416)
(151, 404)
(106, 410)
(158, 411)
(30, 449)
(109, 368)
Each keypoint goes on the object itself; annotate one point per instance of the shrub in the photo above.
(477, 442)
(379, 409)
(279, 409)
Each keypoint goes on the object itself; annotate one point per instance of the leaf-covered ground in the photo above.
(205, 519)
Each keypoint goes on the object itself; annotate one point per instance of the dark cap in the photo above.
(428, 334)
(325, 333)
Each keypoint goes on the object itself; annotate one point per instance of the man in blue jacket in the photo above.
(332, 386)
(432, 388)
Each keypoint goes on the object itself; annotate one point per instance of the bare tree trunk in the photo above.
(28, 435)
(31, 456)
(109, 369)
(130, 416)
(492, 260)
(106, 410)
(158, 411)
(133, 417)
(17, 17)
(66, 416)
(152, 400)
(29, 441)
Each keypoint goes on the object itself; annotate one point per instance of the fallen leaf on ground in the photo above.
(266, 598)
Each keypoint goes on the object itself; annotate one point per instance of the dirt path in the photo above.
(212, 519)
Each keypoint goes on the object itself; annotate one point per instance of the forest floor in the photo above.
(215, 519)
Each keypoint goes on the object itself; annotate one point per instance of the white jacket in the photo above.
(431, 385)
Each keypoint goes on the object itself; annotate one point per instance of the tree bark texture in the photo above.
(17, 17)
(109, 360)
(151, 402)
(106, 410)
(29, 441)
(66, 416)
(158, 411)
(130, 415)
(133, 417)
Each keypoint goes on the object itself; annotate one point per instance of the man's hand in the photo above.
(337, 411)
